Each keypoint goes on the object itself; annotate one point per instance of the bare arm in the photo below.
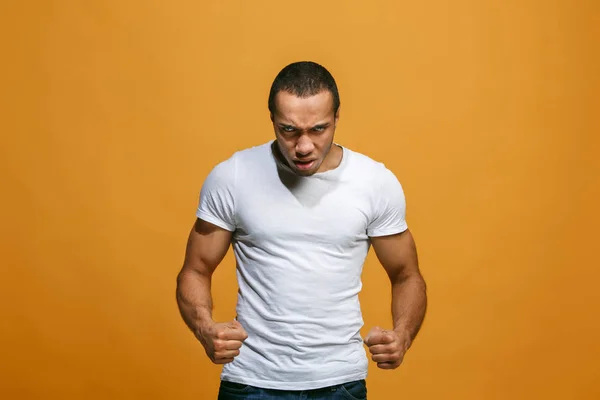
(206, 248)
(398, 256)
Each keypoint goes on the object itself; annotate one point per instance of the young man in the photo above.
(301, 213)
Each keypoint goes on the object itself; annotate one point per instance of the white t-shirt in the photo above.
(300, 244)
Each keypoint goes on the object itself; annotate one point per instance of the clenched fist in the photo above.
(222, 341)
(387, 347)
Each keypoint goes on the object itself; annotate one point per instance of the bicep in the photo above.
(206, 247)
(397, 254)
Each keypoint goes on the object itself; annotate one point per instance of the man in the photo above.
(301, 213)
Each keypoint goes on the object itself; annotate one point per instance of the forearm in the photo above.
(409, 303)
(194, 299)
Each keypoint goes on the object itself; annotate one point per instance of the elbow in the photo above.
(179, 282)
(182, 280)
(408, 277)
(181, 276)
(192, 275)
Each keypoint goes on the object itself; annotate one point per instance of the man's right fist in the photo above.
(222, 341)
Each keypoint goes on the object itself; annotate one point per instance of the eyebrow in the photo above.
(321, 125)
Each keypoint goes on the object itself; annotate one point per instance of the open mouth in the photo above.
(304, 165)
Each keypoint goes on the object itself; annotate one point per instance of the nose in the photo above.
(304, 146)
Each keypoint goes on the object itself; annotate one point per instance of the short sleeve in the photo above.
(217, 201)
(389, 214)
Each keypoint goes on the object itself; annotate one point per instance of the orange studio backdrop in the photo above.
(114, 112)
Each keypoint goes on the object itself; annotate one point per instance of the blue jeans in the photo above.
(356, 390)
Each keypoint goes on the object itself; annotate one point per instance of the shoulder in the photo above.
(239, 160)
(253, 153)
(369, 169)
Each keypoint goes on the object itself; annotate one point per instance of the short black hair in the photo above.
(303, 79)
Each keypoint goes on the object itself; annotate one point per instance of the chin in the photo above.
(304, 173)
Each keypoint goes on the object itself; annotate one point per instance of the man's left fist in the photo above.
(387, 347)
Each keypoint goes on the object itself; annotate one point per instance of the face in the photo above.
(304, 128)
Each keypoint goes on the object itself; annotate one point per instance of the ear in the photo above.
(337, 115)
(271, 116)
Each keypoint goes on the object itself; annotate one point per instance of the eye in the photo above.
(319, 128)
(288, 128)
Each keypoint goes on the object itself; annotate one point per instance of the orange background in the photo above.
(114, 112)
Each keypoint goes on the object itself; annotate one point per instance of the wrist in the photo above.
(204, 321)
(404, 334)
